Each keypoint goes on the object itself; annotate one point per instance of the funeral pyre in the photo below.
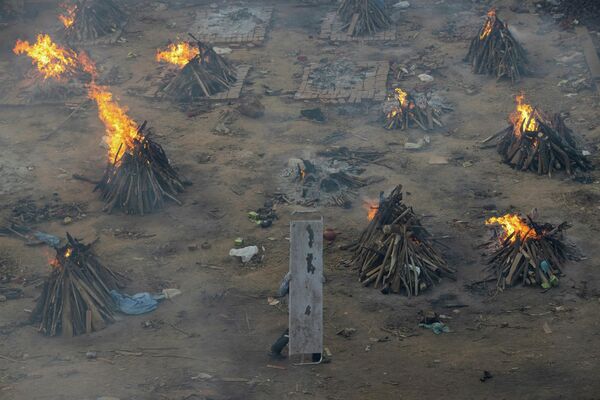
(76, 296)
(395, 253)
(138, 178)
(89, 20)
(405, 111)
(201, 72)
(58, 72)
(526, 251)
(364, 17)
(494, 51)
(318, 180)
(538, 143)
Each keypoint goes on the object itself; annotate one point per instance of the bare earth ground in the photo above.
(222, 325)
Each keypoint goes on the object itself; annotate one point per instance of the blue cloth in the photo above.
(139, 303)
(50, 240)
(436, 327)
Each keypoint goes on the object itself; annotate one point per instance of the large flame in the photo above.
(178, 53)
(68, 18)
(51, 60)
(523, 118)
(514, 225)
(371, 207)
(489, 24)
(120, 129)
(402, 96)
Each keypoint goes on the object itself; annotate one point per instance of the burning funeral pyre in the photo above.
(527, 252)
(364, 17)
(395, 252)
(201, 72)
(76, 296)
(406, 111)
(540, 144)
(89, 20)
(494, 51)
(139, 177)
(57, 75)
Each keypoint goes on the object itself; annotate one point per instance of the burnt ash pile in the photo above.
(338, 74)
(364, 17)
(395, 253)
(140, 179)
(27, 210)
(321, 181)
(90, 20)
(76, 296)
(206, 74)
(494, 51)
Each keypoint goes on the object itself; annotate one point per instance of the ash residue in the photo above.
(342, 74)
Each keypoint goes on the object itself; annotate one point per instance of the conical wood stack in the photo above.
(76, 296)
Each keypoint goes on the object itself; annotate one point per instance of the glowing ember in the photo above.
(51, 60)
(371, 207)
(68, 18)
(120, 129)
(523, 119)
(178, 53)
(514, 225)
(489, 24)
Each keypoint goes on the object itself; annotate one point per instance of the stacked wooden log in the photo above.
(141, 179)
(527, 252)
(364, 17)
(395, 253)
(203, 76)
(494, 51)
(539, 144)
(76, 296)
(93, 19)
(406, 112)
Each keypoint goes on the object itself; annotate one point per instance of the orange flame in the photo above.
(68, 18)
(371, 207)
(489, 24)
(51, 60)
(523, 118)
(120, 129)
(402, 96)
(514, 225)
(178, 53)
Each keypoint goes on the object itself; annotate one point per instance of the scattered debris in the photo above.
(346, 332)
(486, 375)
(246, 253)
(252, 108)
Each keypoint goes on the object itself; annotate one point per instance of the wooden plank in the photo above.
(590, 53)
(306, 287)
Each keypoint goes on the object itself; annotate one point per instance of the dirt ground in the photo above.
(212, 341)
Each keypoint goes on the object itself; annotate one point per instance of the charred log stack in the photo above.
(494, 51)
(539, 144)
(76, 296)
(89, 20)
(527, 252)
(364, 17)
(203, 76)
(395, 252)
(140, 179)
(406, 111)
